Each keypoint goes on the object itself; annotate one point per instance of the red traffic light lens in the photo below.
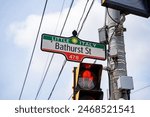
(87, 80)
(87, 74)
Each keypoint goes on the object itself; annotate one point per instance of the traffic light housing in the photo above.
(137, 7)
(89, 95)
(87, 82)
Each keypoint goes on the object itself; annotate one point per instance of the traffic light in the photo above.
(137, 7)
(87, 82)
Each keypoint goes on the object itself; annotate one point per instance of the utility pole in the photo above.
(117, 56)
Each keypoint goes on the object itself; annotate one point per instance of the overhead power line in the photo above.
(33, 50)
(53, 53)
(45, 74)
(82, 14)
(44, 77)
(65, 61)
(60, 15)
(86, 17)
(141, 89)
(81, 29)
(67, 17)
(70, 97)
(57, 79)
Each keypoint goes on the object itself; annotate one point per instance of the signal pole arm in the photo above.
(117, 56)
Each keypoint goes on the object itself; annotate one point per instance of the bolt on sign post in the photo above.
(87, 82)
(73, 48)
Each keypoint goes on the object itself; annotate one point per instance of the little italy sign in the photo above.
(73, 48)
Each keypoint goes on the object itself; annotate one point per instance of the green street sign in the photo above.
(73, 48)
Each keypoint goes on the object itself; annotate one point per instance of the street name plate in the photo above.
(73, 48)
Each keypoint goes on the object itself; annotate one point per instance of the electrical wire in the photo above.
(111, 17)
(45, 74)
(59, 15)
(116, 26)
(86, 16)
(70, 96)
(57, 79)
(82, 17)
(82, 14)
(140, 89)
(53, 53)
(44, 77)
(66, 17)
(27, 72)
(65, 61)
(83, 25)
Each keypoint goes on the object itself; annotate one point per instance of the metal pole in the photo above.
(74, 82)
(116, 58)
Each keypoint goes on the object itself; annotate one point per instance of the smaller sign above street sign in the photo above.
(73, 48)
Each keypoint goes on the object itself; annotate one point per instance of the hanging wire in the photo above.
(64, 60)
(44, 77)
(53, 53)
(111, 17)
(82, 27)
(86, 17)
(82, 14)
(66, 17)
(45, 74)
(140, 89)
(70, 97)
(60, 15)
(57, 79)
(60, 35)
(27, 72)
